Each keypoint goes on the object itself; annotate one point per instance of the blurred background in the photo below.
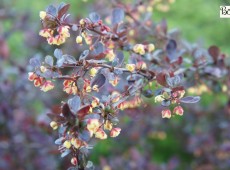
(199, 140)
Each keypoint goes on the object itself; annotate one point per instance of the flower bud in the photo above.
(74, 161)
(178, 110)
(54, 125)
(159, 98)
(100, 134)
(151, 48)
(67, 144)
(42, 15)
(43, 69)
(166, 113)
(82, 22)
(115, 132)
(79, 39)
(31, 76)
(108, 125)
(130, 67)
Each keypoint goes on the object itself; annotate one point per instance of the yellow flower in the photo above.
(115, 132)
(139, 49)
(76, 143)
(151, 48)
(67, 144)
(100, 134)
(62, 32)
(46, 33)
(54, 125)
(108, 125)
(93, 125)
(70, 87)
(42, 15)
(79, 39)
(48, 85)
(43, 69)
(130, 67)
(93, 72)
(159, 98)
(110, 55)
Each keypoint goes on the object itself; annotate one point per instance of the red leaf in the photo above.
(63, 10)
(83, 111)
(214, 51)
(161, 79)
(56, 118)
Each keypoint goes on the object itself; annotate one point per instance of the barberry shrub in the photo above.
(124, 58)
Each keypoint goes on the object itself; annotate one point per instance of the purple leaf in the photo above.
(98, 80)
(118, 15)
(94, 17)
(190, 99)
(74, 104)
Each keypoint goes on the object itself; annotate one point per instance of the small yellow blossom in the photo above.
(67, 144)
(92, 72)
(43, 69)
(130, 67)
(54, 125)
(42, 15)
(82, 22)
(159, 98)
(139, 49)
(108, 125)
(115, 132)
(100, 134)
(48, 85)
(76, 143)
(110, 55)
(79, 39)
(93, 125)
(151, 48)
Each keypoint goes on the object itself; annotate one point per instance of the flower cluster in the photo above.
(111, 75)
(45, 85)
(55, 36)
